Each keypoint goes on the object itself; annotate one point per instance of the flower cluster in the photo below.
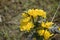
(44, 30)
(35, 20)
(37, 12)
(26, 21)
(45, 33)
(26, 24)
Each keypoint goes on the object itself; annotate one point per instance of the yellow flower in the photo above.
(43, 24)
(24, 15)
(42, 13)
(32, 12)
(47, 24)
(37, 12)
(26, 19)
(47, 35)
(27, 27)
(40, 32)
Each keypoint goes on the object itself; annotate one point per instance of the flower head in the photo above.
(36, 12)
(40, 32)
(47, 35)
(32, 12)
(26, 19)
(42, 13)
(27, 27)
(47, 24)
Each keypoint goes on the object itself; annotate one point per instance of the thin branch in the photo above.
(56, 12)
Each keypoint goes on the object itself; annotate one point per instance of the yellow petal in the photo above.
(40, 32)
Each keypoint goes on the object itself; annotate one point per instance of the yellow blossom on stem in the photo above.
(40, 32)
(46, 24)
(36, 12)
(32, 12)
(47, 35)
(27, 27)
(42, 13)
(26, 19)
(43, 24)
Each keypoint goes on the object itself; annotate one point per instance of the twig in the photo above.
(55, 12)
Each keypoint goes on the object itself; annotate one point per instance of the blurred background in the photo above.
(10, 14)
